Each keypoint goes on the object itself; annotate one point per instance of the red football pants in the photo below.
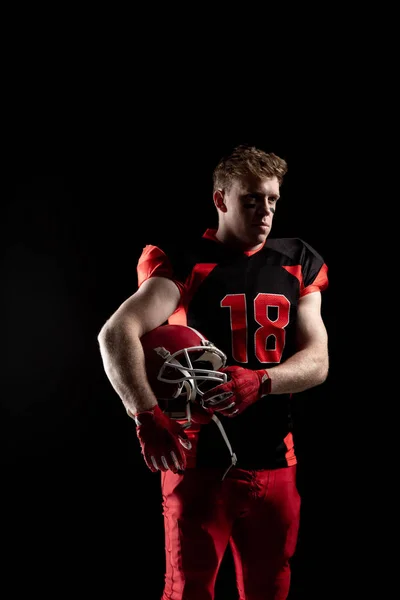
(256, 512)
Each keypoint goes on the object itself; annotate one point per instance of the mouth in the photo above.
(262, 226)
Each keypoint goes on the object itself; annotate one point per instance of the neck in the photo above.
(232, 241)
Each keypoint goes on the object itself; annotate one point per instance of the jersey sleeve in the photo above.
(315, 271)
(153, 262)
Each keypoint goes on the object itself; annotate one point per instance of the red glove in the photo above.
(162, 440)
(244, 387)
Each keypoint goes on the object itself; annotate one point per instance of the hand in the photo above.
(243, 388)
(162, 440)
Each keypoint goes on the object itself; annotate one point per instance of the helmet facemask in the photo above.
(195, 370)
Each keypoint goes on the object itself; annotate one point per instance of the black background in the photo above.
(108, 130)
(81, 512)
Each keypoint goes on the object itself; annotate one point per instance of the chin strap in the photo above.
(222, 431)
(227, 442)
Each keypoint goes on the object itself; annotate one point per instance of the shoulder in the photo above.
(185, 249)
(173, 257)
(299, 256)
(293, 248)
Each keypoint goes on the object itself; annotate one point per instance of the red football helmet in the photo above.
(181, 365)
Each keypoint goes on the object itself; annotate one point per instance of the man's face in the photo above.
(250, 207)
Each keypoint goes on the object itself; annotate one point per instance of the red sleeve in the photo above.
(153, 262)
(319, 284)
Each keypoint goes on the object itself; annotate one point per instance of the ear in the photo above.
(218, 197)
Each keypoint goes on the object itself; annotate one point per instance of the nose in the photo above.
(264, 207)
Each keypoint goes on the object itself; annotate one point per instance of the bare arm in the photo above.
(308, 367)
(119, 340)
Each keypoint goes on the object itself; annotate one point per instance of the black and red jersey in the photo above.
(246, 304)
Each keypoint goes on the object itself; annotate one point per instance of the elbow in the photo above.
(104, 333)
(324, 371)
(106, 339)
(116, 331)
(319, 367)
(110, 333)
(324, 377)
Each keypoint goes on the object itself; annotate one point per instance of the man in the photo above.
(258, 299)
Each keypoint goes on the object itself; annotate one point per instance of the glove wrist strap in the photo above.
(151, 411)
(265, 387)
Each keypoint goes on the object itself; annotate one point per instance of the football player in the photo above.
(226, 454)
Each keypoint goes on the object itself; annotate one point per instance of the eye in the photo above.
(250, 201)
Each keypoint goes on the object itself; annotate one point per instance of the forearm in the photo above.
(303, 370)
(124, 365)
